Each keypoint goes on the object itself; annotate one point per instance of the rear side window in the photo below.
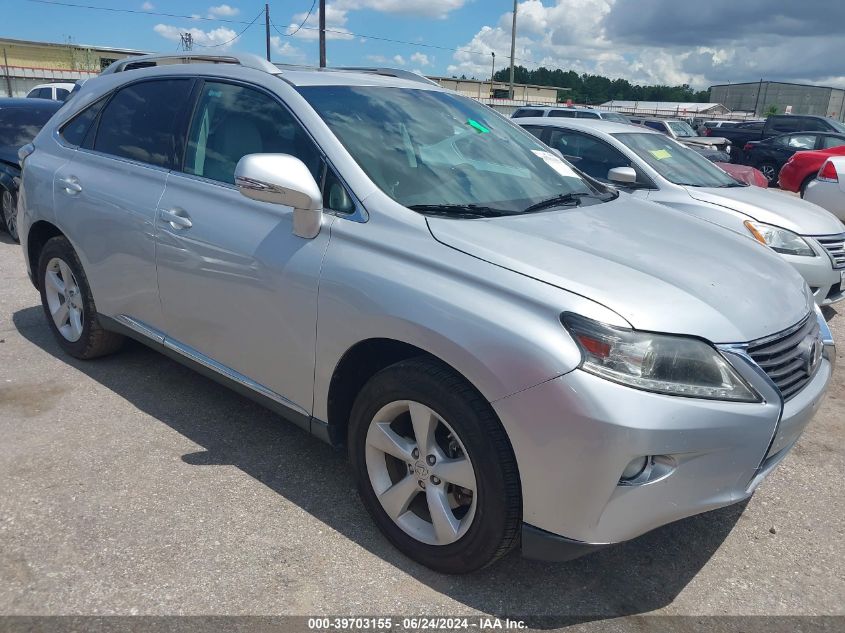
(786, 124)
(526, 112)
(40, 93)
(535, 130)
(586, 115)
(141, 122)
(232, 121)
(832, 141)
(565, 114)
(61, 94)
(74, 131)
(655, 125)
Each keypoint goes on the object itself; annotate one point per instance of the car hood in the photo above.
(659, 269)
(772, 207)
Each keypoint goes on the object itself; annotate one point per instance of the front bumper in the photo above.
(825, 281)
(574, 435)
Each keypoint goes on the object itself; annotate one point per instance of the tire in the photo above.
(76, 326)
(8, 210)
(804, 184)
(770, 171)
(470, 446)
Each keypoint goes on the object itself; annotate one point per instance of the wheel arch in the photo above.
(38, 235)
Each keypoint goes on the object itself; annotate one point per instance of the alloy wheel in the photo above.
(10, 216)
(421, 473)
(769, 172)
(64, 299)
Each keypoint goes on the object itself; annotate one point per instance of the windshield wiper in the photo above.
(460, 210)
(572, 198)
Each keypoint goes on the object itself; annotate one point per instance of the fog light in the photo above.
(634, 469)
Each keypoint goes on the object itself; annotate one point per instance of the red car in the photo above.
(746, 174)
(802, 168)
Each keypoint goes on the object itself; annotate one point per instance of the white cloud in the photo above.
(148, 6)
(398, 59)
(223, 11)
(335, 25)
(422, 59)
(204, 38)
(377, 59)
(286, 50)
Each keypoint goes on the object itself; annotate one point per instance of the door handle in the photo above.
(177, 218)
(71, 185)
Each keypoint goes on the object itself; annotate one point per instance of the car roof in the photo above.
(587, 125)
(22, 102)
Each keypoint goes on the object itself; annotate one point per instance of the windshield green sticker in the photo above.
(660, 154)
(480, 128)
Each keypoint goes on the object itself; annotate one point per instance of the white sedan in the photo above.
(828, 189)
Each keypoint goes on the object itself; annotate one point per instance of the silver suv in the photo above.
(510, 353)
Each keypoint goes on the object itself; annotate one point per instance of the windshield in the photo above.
(837, 125)
(681, 129)
(673, 161)
(426, 148)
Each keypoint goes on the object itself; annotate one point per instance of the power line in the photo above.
(260, 13)
(302, 24)
(134, 11)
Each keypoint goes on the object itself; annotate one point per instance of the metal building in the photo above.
(759, 96)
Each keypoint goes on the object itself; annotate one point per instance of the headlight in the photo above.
(674, 365)
(779, 240)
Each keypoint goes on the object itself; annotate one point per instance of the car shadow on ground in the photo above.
(631, 578)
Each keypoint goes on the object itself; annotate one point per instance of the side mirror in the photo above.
(622, 175)
(285, 180)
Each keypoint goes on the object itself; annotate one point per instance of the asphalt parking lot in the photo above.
(131, 485)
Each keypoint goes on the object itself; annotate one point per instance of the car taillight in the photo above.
(708, 131)
(828, 173)
(747, 147)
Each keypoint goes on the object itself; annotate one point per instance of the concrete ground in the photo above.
(131, 485)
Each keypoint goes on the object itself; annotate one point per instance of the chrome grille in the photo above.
(835, 246)
(784, 356)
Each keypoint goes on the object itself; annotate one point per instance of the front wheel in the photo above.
(10, 215)
(770, 171)
(434, 467)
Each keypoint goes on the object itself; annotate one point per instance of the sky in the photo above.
(644, 41)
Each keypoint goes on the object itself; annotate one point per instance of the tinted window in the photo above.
(140, 121)
(522, 112)
(535, 130)
(233, 121)
(74, 131)
(786, 124)
(655, 125)
(18, 126)
(590, 155)
(612, 116)
(565, 114)
(335, 196)
(41, 93)
(812, 125)
(586, 115)
(61, 94)
(832, 141)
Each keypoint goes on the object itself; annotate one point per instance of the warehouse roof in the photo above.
(663, 105)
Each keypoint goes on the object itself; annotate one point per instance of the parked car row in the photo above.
(516, 350)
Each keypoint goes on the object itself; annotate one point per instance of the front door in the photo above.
(236, 285)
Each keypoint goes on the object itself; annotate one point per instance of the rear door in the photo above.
(107, 195)
(238, 288)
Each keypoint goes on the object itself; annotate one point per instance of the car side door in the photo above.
(107, 194)
(238, 289)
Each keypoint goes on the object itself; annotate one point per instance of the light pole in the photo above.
(492, 73)
(513, 45)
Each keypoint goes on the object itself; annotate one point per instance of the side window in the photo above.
(781, 141)
(593, 157)
(565, 114)
(335, 196)
(832, 141)
(586, 115)
(786, 124)
(655, 125)
(140, 121)
(74, 131)
(812, 125)
(61, 94)
(535, 130)
(232, 121)
(802, 141)
(525, 112)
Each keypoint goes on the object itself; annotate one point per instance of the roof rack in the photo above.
(161, 59)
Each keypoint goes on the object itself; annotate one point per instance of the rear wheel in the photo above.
(770, 171)
(69, 304)
(8, 208)
(434, 467)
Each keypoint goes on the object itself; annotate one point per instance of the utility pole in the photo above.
(492, 73)
(322, 33)
(267, 27)
(513, 45)
(8, 77)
